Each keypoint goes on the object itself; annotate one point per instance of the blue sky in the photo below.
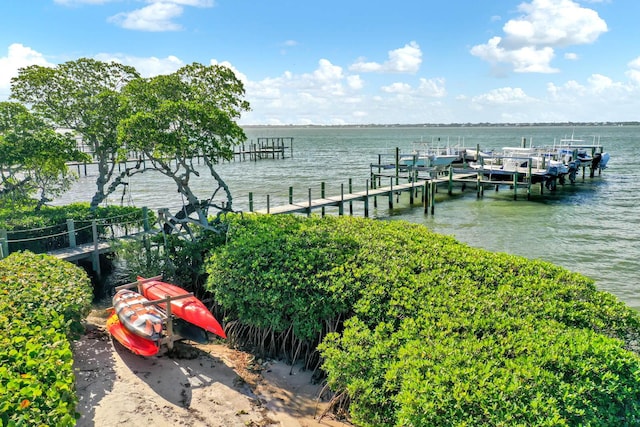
(360, 62)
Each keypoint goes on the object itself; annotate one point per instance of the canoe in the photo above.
(134, 343)
(143, 320)
(188, 308)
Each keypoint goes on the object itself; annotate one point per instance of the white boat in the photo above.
(431, 158)
(525, 160)
(435, 154)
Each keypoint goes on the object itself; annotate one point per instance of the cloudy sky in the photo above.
(360, 62)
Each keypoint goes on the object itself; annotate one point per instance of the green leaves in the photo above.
(33, 156)
(438, 333)
(42, 301)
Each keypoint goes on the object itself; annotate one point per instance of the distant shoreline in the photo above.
(451, 125)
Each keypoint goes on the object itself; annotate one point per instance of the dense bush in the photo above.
(278, 271)
(26, 227)
(439, 333)
(42, 301)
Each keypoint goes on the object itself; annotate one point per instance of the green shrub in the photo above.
(438, 333)
(277, 272)
(42, 301)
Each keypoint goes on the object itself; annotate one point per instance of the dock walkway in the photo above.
(427, 187)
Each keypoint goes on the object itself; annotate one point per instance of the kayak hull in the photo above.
(189, 308)
(134, 343)
(139, 318)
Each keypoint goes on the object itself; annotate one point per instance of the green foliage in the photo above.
(32, 157)
(187, 114)
(438, 333)
(42, 301)
(84, 96)
(281, 271)
(27, 227)
(178, 260)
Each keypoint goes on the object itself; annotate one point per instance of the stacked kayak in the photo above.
(137, 315)
(135, 343)
(188, 308)
(140, 323)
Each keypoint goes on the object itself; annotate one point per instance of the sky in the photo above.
(331, 62)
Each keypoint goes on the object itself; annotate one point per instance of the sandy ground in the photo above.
(206, 385)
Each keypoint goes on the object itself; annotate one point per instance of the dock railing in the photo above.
(76, 239)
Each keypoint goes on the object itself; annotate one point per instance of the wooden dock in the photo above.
(79, 252)
(276, 147)
(425, 188)
(521, 183)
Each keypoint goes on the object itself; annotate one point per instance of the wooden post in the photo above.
(391, 194)
(322, 195)
(169, 323)
(450, 189)
(530, 179)
(375, 198)
(290, 195)
(515, 186)
(397, 165)
(268, 204)
(426, 196)
(309, 209)
(145, 219)
(72, 233)
(350, 192)
(366, 201)
(96, 253)
(4, 243)
(433, 197)
(413, 183)
(251, 202)
(341, 205)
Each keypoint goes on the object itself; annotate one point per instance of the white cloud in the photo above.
(433, 87)
(527, 59)
(406, 59)
(147, 67)
(635, 64)
(634, 71)
(554, 23)
(355, 82)
(529, 41)
(18, 56)
(157, 16)
(571, 56)
(398, 88)
(502, 96)
(240, 76)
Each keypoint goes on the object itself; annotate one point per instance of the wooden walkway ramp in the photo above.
(425, 186)
(341, 200)
(81, 251)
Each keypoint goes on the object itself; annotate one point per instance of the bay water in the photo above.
(590, 227)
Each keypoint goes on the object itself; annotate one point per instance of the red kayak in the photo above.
(189, 308)
(133, 342)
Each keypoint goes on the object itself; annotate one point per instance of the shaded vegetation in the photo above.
(26, 228)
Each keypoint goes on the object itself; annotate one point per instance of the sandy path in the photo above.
(208, 385)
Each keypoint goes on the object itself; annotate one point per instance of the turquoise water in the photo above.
(590, 227)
